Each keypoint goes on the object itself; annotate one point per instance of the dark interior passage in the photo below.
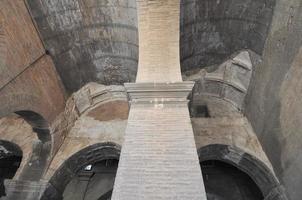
(10, 160)
(93, 182)
(226, 182)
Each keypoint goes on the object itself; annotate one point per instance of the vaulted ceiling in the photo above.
(94, 40)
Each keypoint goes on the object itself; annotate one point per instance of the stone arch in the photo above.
(67, 171)
(33, 110)
(257, 170)
(27, 107)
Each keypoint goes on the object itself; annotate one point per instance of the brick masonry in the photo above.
(158, 23)
(158, 158)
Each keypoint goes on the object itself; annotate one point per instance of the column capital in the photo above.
(159, 92)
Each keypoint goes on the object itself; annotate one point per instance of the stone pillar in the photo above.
(159, 158)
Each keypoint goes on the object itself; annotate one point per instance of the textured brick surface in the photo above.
(158, 23)
(159, 159)
(20, 44)
(28, 79)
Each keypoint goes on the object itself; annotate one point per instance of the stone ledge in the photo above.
(155, 93)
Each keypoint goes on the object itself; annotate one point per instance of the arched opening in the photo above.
(93, 182)
(217, 175)
(88, 174)
(10, 160)
(262, 176)
(31, 132)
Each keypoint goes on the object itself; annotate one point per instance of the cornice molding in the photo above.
(159, 93)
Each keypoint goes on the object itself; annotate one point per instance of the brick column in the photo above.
(159, 158)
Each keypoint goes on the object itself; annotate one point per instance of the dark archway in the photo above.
(93, 182)
(94, 155)
(264, 178)
(224, 182)
(10, 160)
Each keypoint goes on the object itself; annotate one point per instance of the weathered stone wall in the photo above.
(100, 116)
(226, 127)
(226, 135)
(213, 30)
(28, 79)
(89, 41)
(274, 102)
(20, 44)
(231, 131)
(28, 83)
(230, 81)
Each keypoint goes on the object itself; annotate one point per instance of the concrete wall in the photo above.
(213, 30)
(89, 41)
(274, 101)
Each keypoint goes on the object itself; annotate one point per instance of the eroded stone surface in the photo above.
(92, 126)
